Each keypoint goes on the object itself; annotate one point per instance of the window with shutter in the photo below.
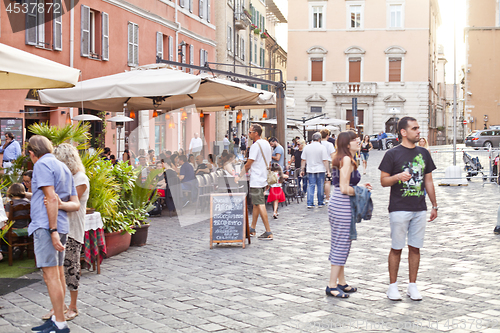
(170, 48)
(190, 6)
(40, 21)
(136, 44)
(181, 3)
(208, 10)
(201, 7)
(85, 31)
(159, 45)
(202, 55)
(105, 36)
(31, 24)
(242, 46)
(229, 38)
(57, 38)
(191, 57)
(394, 70)
(317, 69)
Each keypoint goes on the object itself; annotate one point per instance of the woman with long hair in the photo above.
(423, 143)
(366, 146)
(344, 176)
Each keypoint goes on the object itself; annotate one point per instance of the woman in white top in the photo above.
(68, 154)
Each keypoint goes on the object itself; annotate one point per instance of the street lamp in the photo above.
(485, 119)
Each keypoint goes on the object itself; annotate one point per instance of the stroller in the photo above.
(473, 167)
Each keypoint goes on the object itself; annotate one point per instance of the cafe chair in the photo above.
(19, 237)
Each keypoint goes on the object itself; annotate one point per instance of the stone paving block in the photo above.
(212, 327)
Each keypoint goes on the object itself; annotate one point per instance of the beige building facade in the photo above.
(482, 70)
(383, 52)
(245, 36)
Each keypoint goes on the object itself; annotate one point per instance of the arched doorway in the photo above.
(391, 125)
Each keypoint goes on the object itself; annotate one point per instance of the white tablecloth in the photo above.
(93, 221)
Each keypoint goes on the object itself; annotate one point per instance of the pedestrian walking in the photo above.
(49, 224)
(345, 175)
(366, 146)
(276, 194)
(297, 160)
(384, 139)
(278, 155)
(68, 154)
(258, 161)
(226, 143)
(316, 158)
(379, 141)
(407, 169)
(243, 145)
(11, 150)
(236, 145)
(330, 151)
(196, 145)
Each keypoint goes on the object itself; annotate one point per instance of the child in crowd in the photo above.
(276, 194)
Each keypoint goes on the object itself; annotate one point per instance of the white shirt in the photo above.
(315, 154)
(258, 170)
(226, 142)
(77, 219)
(330, 149)
(196, 145)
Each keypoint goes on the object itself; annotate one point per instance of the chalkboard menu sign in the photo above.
(14, 125)
(228, 218)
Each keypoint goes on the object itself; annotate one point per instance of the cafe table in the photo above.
(94, 245)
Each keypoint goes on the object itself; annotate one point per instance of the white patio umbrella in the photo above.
(150, 88)
(86, 117)
(141, 89)
(23, 70)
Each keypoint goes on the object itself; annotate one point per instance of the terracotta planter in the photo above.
(116, 242)
(141, 235)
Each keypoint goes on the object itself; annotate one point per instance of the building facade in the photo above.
(482, 69)
(382, 52)
(246, 44)
(108, 37)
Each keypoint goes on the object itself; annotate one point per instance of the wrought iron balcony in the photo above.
(354, 89)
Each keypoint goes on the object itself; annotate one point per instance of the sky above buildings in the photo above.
(451, 10)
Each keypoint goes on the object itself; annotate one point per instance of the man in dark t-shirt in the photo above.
(407, 169)
(186, 172)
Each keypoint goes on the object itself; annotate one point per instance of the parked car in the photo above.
(483, 138)
(391, 140)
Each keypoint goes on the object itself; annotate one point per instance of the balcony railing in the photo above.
(242, 21)
(355, 88)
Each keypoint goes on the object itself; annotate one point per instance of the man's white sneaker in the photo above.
(393, 292)
(413, 293)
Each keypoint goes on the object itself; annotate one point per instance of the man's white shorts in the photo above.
(407, 223)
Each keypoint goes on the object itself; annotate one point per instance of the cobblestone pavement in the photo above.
(177, 284)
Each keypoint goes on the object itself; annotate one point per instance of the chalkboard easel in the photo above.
(229, 218)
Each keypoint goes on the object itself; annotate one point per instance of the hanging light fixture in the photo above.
(201, 114)
(132, 113)
(239, 116)
(184, 115)
(227, 107)
(171, 124)
(155, 114)
(167, 116)
(264, 115)
(68, 119)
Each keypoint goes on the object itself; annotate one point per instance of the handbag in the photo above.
(271, 176)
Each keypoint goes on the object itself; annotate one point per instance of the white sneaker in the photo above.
(413, 293)
(393, 292)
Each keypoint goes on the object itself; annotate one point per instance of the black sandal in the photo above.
(347, 288)
(341, 294)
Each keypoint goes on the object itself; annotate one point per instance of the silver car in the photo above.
(483, 138)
